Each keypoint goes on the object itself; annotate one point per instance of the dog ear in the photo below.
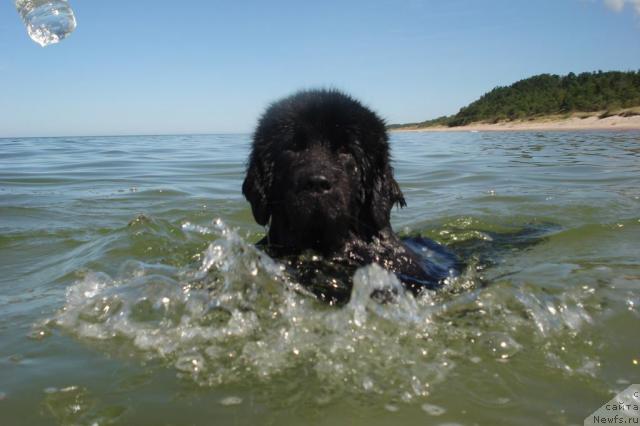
(385, 192)
(255, 189)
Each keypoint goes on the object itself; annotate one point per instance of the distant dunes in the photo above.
(609, 93)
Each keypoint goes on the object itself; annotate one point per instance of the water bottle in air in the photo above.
(47, 21)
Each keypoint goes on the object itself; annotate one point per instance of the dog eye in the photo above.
(347, 159)
(292, 149)
(343, 151)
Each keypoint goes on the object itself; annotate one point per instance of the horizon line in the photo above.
(127, 135)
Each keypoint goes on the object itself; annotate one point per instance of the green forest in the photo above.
(547, 94)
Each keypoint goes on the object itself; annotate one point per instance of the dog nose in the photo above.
(316, 183)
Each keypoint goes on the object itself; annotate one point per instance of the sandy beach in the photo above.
(573, 123)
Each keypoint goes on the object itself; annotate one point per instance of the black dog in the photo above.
(319, 175)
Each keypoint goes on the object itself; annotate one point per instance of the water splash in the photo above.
(237, 317)
(47, 21)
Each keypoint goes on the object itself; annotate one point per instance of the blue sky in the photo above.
(158, 67)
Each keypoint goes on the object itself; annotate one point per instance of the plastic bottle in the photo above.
(47, 21)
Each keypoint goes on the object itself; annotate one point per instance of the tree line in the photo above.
(547, 94)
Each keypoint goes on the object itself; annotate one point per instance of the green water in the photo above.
(131, 293)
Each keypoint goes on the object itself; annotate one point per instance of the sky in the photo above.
(167, 67)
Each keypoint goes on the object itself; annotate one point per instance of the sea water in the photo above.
(131, 291)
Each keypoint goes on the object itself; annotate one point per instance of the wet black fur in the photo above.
(319, 176)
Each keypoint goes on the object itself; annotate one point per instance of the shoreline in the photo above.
(574, 123)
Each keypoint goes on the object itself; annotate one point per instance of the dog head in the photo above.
(319, 172)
